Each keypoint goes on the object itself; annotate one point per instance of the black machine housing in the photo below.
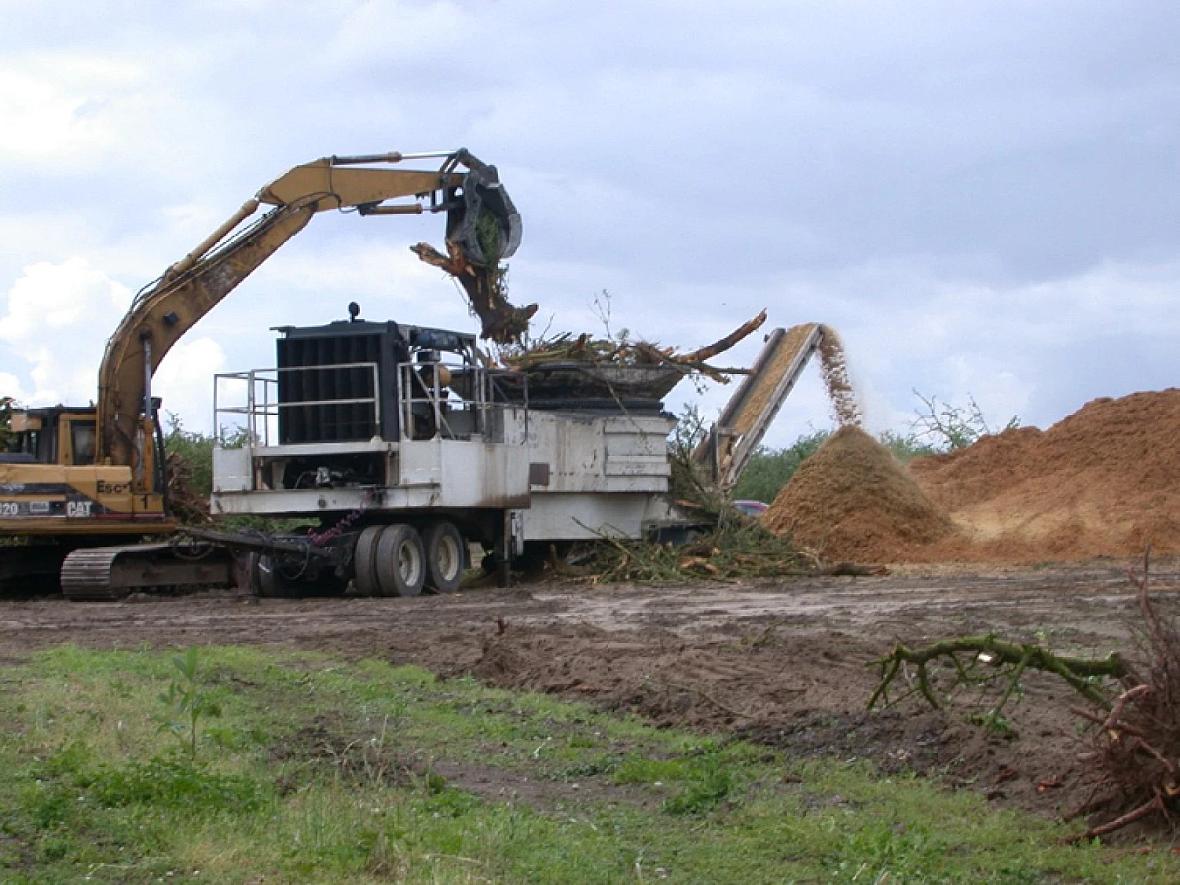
(339, 400)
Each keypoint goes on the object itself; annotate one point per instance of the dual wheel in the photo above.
(397, 560)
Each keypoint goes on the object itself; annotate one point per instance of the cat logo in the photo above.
(78, 508)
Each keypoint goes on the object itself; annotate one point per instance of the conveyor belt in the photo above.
(747, 415)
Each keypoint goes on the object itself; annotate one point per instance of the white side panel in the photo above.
(231, 470)
(420, 463)
(478, 474)
(607, 472)
(582, 517)
(434, 473)
(300, 501)
(586, 452)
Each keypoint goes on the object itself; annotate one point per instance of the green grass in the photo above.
(310, 769)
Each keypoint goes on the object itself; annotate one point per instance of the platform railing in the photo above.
(252, 419)
(428, 407)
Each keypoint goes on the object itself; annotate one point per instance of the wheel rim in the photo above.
(400, 561)
(409, 564)
(449, 558)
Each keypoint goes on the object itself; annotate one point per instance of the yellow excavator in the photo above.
(79, 485)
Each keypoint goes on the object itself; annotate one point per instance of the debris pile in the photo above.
(568, 348)
(737, 547)
(852, 500)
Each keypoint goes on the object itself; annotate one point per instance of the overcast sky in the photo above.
(981, 197)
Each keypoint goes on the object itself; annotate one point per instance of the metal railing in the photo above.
(426, 407)
(255, 421)
(429, 408)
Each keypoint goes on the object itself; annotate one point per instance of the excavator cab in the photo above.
(55, 435)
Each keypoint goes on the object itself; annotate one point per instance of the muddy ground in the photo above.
(777, 661)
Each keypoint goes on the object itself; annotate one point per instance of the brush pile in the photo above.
(185, 503)
(622, 352)
(736, 547)
(1136, 738)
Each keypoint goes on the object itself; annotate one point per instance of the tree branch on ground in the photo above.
(1006, 663)
(1132, 717)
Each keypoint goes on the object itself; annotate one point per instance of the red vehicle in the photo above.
(751, 508)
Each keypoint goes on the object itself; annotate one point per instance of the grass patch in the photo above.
(316, 770)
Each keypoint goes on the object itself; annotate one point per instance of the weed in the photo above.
(993, 722)
(187, 699)
(950, 427)
(606, 764)
(48, 805)
(706, 778)
(710, 783)
(175, 783)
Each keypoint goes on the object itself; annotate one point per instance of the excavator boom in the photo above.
(482, 227)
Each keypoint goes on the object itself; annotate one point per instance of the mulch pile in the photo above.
(852, 500)
(1103, 481)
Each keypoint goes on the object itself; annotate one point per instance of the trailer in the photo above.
(402, 446)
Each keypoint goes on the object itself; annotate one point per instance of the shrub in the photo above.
(195, 452)
(770, 469)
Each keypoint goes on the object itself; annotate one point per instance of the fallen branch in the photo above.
(1077, 672)
(1152, 805)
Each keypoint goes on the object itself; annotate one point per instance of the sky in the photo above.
(981, 197)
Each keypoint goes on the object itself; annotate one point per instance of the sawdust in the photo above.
(763, 384)
(834, 367)
(852, 500)
(1103, 481)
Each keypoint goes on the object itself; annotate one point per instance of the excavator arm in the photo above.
(482, 226)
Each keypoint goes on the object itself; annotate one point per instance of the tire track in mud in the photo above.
(779, 662)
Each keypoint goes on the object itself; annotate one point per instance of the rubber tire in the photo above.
(250, 564)
(400, 561)
(265, 578)
(364, 561)
(445, 556)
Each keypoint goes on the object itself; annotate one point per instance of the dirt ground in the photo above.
(777, 661)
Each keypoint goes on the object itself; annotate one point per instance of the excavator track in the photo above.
(111, 573)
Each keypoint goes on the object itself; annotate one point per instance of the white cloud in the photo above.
(399, 31)
(58, 107)
(980, 200)
(11, 386)
(58, 296)
(184, 381)
(56, 322)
